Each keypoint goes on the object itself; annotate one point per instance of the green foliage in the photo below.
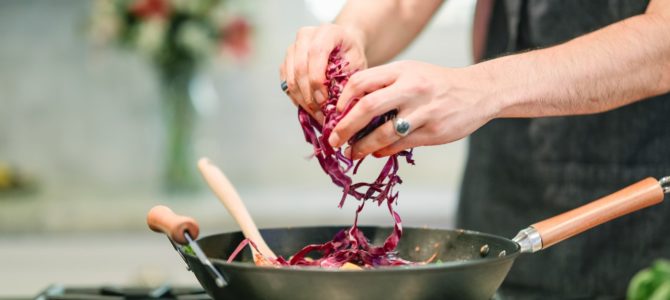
(652, 283)
(188, 250)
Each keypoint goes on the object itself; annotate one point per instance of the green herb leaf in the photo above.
(188, 250)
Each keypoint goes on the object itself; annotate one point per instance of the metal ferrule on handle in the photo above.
(529, 240)
(665, 184)
(544, 234)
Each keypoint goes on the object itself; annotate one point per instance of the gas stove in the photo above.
(60, 292)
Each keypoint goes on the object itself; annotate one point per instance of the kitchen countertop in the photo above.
(134, 256)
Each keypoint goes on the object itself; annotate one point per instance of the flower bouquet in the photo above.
(176, 37)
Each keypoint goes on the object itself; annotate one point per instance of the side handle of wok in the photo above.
(184, 231)
(163, 220)
(637, 196)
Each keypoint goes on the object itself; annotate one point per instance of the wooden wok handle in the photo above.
(632, 198)
(162, 219)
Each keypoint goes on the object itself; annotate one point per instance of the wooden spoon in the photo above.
(227, 194)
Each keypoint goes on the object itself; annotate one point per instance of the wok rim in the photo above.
(455, 264)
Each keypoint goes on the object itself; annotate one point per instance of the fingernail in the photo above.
(353, 155)
(376, 155)
(314, 107)
(347, 152)
(334, 139)
(318, 96)
(319, 116)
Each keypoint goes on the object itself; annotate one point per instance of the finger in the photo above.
(365, 82)
(301, 63)
(293, 91)
(282, 70)
(384, 136)
(324, 42)
(283, 79)
(420, 137)
(371, 105)
(319, 117)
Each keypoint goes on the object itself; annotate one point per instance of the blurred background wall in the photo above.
(83, 124)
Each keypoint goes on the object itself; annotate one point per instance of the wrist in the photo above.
(490, 94)
(360, 36)
(508, 84)
(357, 34)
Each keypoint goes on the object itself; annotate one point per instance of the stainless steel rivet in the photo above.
(484, 250)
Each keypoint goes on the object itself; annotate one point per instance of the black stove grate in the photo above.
(60, 292)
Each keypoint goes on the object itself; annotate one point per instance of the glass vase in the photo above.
(179, 120)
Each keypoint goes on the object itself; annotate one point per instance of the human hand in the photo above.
(441, 104)
(304, 67)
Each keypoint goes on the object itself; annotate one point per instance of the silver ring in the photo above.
(402, 127)
(284, 86)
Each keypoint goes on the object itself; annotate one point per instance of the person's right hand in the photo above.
(304, 67)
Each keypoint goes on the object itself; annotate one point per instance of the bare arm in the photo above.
(387, 26)
(617, 65)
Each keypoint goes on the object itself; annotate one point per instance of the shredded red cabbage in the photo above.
(348, 245)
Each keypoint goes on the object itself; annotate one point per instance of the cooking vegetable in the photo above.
(188, 250)
(652, 283)
(348, 246)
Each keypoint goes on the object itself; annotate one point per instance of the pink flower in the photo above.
(150, 8)
(236, 37)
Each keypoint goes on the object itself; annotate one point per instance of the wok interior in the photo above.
(416, 244)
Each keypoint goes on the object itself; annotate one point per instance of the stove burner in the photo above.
(60, 292)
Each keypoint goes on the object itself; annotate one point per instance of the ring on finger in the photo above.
(402, 127)
(284, 86)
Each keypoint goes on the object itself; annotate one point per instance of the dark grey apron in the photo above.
(523, 170)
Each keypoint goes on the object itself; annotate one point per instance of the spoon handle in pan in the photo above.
(227, 194)
(637, 196)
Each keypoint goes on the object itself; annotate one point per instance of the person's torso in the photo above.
(523, 170)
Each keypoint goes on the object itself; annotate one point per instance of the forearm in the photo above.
(387, 27)
(617, 65)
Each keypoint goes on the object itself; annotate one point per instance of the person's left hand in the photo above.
(441, 104)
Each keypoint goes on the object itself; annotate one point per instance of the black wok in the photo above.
(470, 265)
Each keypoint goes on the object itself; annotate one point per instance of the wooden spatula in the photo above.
(227, 194)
